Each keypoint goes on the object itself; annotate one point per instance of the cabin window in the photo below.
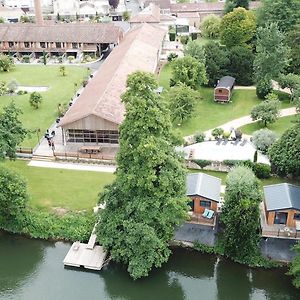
(58, 45)
(191, 205)
(11, 44)
(297, 217)
(205, 203)
(74, 45)
(43, 44)
(280, 218)
(27, 44)
(220, 91)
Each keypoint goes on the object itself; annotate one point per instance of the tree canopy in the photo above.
(263, 139)
(12, 132)
(230, 5)
(35, 100)
(147, 198)
(285, 153)
(293, 41)
(188, 70)
(195, 50)
(210, 26)
(238, 27)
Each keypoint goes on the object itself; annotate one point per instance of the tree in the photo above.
(182, 100)
(286, 13)
(292, 82)
(210, 27)
(147, 198)
(12, 132)
(238, 28)
(189, 71)
(240, 216)
(35, 99)
(241, 65)
(293, 41)
(285, 153)
(266, 111)
(13, 199)
(295, 266)
(217, 132)
(6, 63)
(216, 62)
(195, 50)
(230, 5)
(114, 3)
(272, 54)
(263, 139)
(62, 71)
(263, 87)
(126, 16)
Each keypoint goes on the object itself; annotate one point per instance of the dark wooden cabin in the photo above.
(224, 88)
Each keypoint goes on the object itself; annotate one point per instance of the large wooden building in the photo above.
(97, 113)
(73, 39)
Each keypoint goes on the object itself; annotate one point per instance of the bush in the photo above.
(202, 163)
(217, 133)
(226, 134)
(263, 88)
(26, 58)
(184, 39)
(12, 86)
(172, 56)
(210, 27)
(199, 137)
(71, 58)
(262, 171)
(263, 139)
(203, 248)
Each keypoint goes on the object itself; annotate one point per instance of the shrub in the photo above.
(26, 58)
(12, 86)
(203, 248)
(263, 139)
(184, 39)
(226, 134)
(263, 88)
(172, 56)
(35, 100)
(217, 132)
(199, 137)
(202, 163)
(71, 58)
(262, 171)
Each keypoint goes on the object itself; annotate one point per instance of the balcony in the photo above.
(199, 219)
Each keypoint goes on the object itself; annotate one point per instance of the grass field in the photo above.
(61, 90)
(280, 126)
(75, 190)
(209, 114)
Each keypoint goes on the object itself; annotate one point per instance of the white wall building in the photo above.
(25, 3)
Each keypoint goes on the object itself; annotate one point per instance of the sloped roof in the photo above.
(163, 4)
(102, 96)
(150, 14)
(200, 184)
(77, 33)
(226, 82)
(282, 196)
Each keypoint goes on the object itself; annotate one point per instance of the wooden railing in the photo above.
(281, 234)
(24, 150)
(78, 155)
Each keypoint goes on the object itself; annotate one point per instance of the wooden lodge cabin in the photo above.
(282, 205)
(223, 90)
(204, 191)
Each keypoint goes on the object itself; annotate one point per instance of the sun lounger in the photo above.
(210, 214)
(206, 211)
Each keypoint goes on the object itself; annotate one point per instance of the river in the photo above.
(33, 270)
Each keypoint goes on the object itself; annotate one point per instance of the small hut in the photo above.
(223, 90)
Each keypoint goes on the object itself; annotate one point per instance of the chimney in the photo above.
(38, 12)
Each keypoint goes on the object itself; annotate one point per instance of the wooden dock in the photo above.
(89, 256)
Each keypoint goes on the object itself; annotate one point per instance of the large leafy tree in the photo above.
(195, 50)
(216, 62)
(147, 198)
(210, 26)
(241, 65)
(293, 41)
(12, 132)
(238, 27)
(285, 153)
(13, 199)
(286, 13)
(188, 70)
(230, 5)
(182, 100)
(263, 139)
(240, 216)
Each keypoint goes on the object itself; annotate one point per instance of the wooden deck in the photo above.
(199, 219)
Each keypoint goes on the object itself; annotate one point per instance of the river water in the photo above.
(33, 270)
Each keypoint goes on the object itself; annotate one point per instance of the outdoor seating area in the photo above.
(196, 218)
(93, 149)
(208, 213)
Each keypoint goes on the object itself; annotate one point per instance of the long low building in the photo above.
(97, 113)
(24, 39)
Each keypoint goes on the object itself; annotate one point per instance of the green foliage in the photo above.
(286, 13)
(203, 248)
(241, 65)
(26, 19)
(293, 41)
(210, 27)
(263, 139)
(3, 88)
(182, 100)
(13, 199)
(6, 63)
(12, 132)
(238, 27)
(216, 62)
(195, 50)
(226, 134)
(202, 163)
(217, 132)
(295, 266)
(189, 71)
(62, 71)
(199, 137)
(184, 39)
(291, 81)
(35, 99)
(147, 199)
(263, 88)
(126, 16)
(1, 20)
(272, 53)
(267, 111)
(285, 153)
(172, 56)
(12, 87)
(240, 216)
(230, 5)
(262, 171)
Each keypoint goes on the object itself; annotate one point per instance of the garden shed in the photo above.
(224, 88)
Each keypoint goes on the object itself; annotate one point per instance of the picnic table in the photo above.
(90, 149)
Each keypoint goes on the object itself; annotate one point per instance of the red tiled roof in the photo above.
(150, 14)
(102, 96)
(163, 4)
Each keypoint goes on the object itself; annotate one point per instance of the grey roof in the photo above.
(200, 184)
(282, 196)
(226, 82)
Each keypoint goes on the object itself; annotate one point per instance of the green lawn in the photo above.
(75, 190)
(280, 126)
(61, 90)
(209, 114)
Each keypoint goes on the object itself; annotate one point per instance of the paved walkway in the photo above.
(72, 166)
